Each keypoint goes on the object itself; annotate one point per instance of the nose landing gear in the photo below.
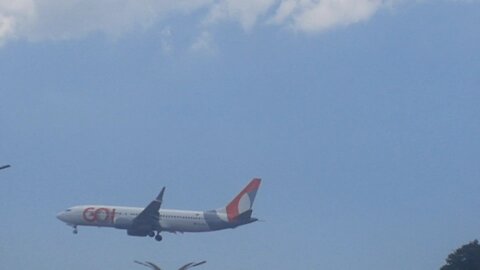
(75, 231)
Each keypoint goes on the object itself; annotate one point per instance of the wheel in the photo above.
(151, 234)
(158, 237)
(75, 231)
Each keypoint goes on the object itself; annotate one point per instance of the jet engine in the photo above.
(122, 223)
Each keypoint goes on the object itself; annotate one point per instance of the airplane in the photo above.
(152, 220)
(156, 267)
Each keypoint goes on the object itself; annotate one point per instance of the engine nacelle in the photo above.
(122, 223)
(140, 230)
(137, 232)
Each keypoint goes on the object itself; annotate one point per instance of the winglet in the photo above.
(160, 195)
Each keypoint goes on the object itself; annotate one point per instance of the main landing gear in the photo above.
(157, 235)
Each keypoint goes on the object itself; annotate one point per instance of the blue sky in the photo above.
(361, 117)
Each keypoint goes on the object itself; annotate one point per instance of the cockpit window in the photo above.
(68, 210)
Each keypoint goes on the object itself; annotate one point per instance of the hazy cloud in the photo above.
(68, 19)
(14, 15)
(60, 19)
(203, 43)
(322, 15)
(166, 40)
(247, 12)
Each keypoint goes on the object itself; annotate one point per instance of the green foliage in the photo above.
(465, 258)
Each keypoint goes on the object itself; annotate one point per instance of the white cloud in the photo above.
(6, 26)
(68, 19)
(61, 19)
(13, 16)
(285, 10)
(322, 15)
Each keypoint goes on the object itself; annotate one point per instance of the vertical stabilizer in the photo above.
(243, 202)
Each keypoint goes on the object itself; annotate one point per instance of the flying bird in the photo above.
(156, 267)
(190, 265)
(149, 264)
(4, 167)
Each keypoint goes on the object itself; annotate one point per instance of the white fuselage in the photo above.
(152, 219)
(115, 216)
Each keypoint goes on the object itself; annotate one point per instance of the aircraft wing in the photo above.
(149, 217)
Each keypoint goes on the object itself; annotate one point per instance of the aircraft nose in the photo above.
(61, 216)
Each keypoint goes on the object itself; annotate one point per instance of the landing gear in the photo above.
(158, 237)
(75, 231)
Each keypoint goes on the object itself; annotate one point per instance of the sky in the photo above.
(360, 116)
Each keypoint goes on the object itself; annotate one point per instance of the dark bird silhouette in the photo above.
(190, 265)
(149, 264)
(4, 167)
(156, 267)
